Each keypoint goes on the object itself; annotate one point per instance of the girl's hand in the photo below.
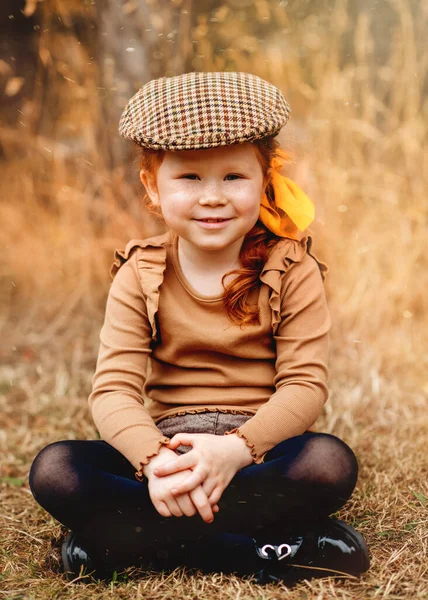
(165, 502)
(214, 460)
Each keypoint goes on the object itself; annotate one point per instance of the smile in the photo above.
(212, 223)
(212, 220)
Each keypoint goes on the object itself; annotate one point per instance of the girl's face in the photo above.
(211, 198)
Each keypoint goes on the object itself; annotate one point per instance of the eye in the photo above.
(191, 176)
(233, 177)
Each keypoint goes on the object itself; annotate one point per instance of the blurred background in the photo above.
(355, 74)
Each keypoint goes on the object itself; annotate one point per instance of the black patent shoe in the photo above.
(75, 559)
(331, 549)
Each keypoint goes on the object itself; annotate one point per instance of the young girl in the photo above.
(212, 365)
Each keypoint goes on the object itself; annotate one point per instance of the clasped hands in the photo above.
(194, 482)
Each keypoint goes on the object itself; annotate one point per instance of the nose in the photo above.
(212, 196)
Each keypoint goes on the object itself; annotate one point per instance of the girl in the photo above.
(212, 364)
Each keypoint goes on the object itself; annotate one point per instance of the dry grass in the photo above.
(360, 138)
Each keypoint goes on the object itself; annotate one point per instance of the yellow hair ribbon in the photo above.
(293, 211)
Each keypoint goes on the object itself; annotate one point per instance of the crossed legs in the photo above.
(90, 488)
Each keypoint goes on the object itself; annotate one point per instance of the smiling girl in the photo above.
(212, 364)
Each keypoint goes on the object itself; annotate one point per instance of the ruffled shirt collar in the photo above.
(151, 262)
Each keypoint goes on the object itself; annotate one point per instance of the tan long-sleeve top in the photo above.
(167, 350)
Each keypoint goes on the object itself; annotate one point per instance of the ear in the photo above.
(149, 183)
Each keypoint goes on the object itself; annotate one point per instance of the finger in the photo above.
(189, 484)
(186, 505)
(175, 465)
(180, 438)
(215, 496)
(216, 508)
(209, 486)
(202, 504)
(173, 507)
(162, 509)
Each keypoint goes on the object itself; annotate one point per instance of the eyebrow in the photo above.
(193, 164)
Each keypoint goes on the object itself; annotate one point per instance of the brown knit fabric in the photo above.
(166, 350)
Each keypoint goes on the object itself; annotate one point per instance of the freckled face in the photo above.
(211, 198)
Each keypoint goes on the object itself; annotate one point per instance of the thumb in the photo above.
(181, 438)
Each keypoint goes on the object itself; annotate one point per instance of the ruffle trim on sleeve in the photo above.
(257, 459)
(139, 475)
(286, 253)
(151, 262)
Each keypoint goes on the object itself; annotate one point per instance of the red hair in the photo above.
(257, 245)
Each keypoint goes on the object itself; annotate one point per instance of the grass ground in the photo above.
(44, 399)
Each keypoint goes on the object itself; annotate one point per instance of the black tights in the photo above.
(90, 487)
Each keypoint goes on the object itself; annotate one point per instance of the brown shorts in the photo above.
(216, 423)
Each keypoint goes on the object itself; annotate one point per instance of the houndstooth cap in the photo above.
(203, 110)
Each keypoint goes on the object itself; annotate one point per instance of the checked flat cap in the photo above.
(203, 110)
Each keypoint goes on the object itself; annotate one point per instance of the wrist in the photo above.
(241, 451)
(164, 455)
